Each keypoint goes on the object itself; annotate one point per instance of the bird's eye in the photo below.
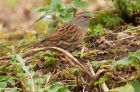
(85, 16)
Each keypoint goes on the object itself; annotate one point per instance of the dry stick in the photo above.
(21, 80)
(133, 28)
(97, 75)
(31, 77)
(104, 86)
(33, 51)
(5, 58)
(128, 37)
(91, 69)
(23, 85)
(69, 60)
(128, 30)
(48, 79)
(55, 75)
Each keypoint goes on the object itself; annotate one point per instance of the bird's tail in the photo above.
(31, 44)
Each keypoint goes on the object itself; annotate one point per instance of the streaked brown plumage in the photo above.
(69, 36)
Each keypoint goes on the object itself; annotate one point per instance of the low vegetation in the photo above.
(111, 63)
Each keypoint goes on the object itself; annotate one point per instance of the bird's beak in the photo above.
(92, 18)
(92, 15)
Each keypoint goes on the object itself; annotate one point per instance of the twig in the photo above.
(99, 73)
(104, 87)
(49, 77)
(96, 77)
(55, 75)
(133, 28)
(30, 76)
(33, 51)
(91, 69)
(24, 88)
(72, 60)
(128, 37)
(5, 58)
(75, 65)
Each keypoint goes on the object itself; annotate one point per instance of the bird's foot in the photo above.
(83, 50)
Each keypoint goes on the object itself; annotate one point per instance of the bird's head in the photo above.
(82, 19)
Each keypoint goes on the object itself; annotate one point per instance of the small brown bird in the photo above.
(69, 36)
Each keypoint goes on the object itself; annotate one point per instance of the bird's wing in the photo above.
(62, 33)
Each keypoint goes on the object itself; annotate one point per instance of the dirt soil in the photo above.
(113, 45)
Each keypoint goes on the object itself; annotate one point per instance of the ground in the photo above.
(16, 28)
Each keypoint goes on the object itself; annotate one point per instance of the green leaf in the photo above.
(138, 4)
(66, 17)
(65, 11)
(14, 59)
(96, 63)
(135, 56)
(57, 87)
(125, 61)
(111, 21)
(11, 3)
(3, 78)
(3, 84)
(63, 89)
(79, 3)
(20, 59)
(55, 5)
(76, 53)
(7, 79)
(11, 90)
(132, 87)
(97, 30)
(73, 70)
(49, 58)
(11, 80)
(132, 57)
(101, 80)
(41, 8)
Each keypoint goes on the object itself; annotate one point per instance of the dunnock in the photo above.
(69, 36)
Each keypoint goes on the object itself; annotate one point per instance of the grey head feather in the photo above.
(82, 20)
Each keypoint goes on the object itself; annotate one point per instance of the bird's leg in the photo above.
(83, 49)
